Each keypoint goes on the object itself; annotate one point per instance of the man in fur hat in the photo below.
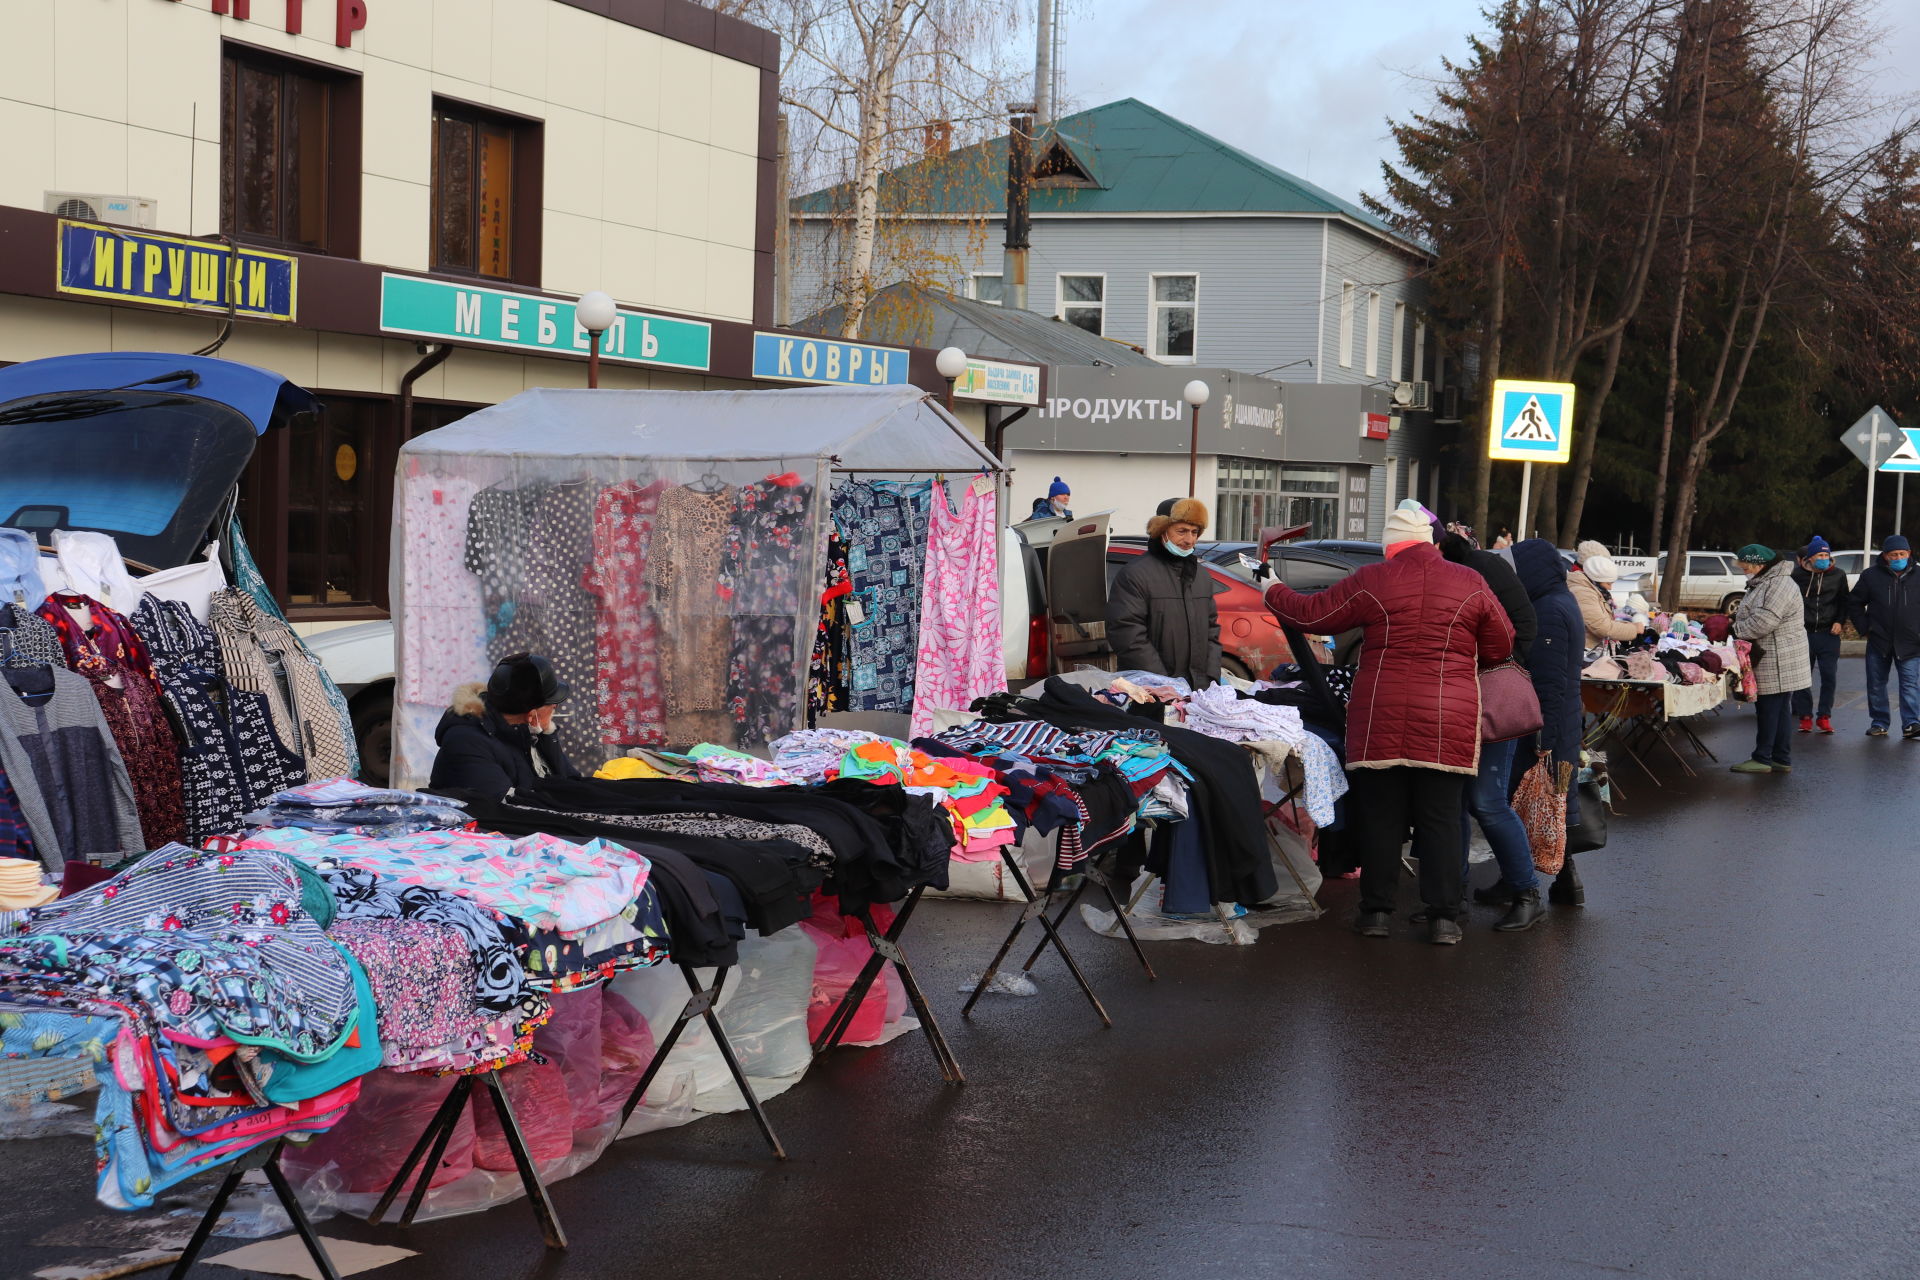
(1160, 612)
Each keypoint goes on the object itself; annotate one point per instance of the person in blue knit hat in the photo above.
(1057, 503)
(1884, 606)
(1823, 593)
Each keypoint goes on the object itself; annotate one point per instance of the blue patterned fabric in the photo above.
(885, 526)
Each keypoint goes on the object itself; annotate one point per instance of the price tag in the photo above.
(856, 613)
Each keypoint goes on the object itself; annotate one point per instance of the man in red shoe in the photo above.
(1823, 590)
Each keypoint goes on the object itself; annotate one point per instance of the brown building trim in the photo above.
(692, 24)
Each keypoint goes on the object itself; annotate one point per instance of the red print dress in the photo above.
(105, 647)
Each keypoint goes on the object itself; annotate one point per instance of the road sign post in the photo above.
(1868, 440)
(1904, 458)
(1532, 422)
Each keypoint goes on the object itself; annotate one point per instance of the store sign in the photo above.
(1141, 409)
(786, 357)
(534, 324)
(998, 382)
(172, 271)
(349, 16)
(1376, 426)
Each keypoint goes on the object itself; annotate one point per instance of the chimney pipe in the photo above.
(1043, 67)
(1013, 282)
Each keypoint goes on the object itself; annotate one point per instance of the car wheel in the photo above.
(1234, 667)
(1732, 602)
(373, 732)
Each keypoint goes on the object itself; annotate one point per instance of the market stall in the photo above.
(669, 552)
(1643, 695)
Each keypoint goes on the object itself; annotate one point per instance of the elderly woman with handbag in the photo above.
(1772, 618)
(1413, 720)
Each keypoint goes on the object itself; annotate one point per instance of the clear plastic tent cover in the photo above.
(663, 549)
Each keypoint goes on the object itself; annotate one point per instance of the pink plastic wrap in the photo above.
(539, 1096)
(378, 1131)
(844, 950)
(570, 1040)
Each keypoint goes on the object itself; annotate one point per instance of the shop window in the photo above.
(1083, 302)
(988, 287)
(289, 153)
(1176, 310)
(485, 194)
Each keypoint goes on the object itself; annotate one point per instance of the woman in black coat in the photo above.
(1557, 659)
(498, 737)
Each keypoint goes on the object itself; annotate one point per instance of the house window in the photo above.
(1398, 341)
(987, 287)
(1346, 324)
(1083, 302)
(1373, 334)
(1419, 350)
(485, 184)
(289, 154)
(1175, 314)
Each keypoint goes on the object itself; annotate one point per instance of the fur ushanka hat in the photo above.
(1178, 511)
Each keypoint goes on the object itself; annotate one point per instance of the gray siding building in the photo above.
(1153, 234)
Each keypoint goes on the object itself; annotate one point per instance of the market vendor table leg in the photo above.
(1035, 909)
(1094, 874)
(886, 948)
(266, 1159)
(701, 1005)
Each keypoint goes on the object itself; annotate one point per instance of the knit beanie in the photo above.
(1601, 567)
(1896, 542)
(1058, 489)
(1407, 526)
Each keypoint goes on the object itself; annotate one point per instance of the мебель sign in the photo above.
(531, 322)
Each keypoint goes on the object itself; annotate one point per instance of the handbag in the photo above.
(1590, 832)
(1509, 708)
(1541, 802)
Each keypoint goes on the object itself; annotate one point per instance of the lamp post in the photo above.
(595, 312)
(951, 362)
(1196, 394)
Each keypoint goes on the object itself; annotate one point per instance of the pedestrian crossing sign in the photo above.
(1532, 421)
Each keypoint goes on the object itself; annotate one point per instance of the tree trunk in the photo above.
(1490, 370)
(1583, 451)
(884, 47)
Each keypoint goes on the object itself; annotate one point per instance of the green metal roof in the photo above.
(1144, 160)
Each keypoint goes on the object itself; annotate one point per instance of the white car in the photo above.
(1712, 581)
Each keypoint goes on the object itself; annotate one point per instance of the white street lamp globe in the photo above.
(951, 362)
(1197, 393)
(595, 311)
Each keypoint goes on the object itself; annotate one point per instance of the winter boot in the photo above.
(1567, 890)
(1525, 913)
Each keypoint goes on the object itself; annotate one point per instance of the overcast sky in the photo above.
(1308, 86)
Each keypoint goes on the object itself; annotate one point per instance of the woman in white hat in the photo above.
(1593, 588)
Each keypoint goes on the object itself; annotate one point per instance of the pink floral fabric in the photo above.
(959, 657)
(443, 639)
(632, 703)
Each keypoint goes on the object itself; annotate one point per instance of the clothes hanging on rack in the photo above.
(959, 656)
(33, 637)
(683, 571)
(252, 643)
(102, 645)
(231, 759)
(440, 647)
(92, 566)
(771, 528)
(67, 774)
(20, 581)
(827, 671)
(557, 612)
(632, 702)
(885, 523)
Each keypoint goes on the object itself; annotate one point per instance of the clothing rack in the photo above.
(267, 1160)
(1036, 908)
(1094, 873)
(700, 1004)
(436, 1135)
(887, 949)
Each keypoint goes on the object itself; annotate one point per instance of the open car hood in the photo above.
(144, 446)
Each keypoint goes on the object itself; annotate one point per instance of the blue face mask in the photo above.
(1177, 551)
(1898, 564)
(1823, 562)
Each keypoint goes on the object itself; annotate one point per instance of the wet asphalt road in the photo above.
(1707, 1072)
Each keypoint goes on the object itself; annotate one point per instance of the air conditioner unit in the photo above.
(1415, 397)
(86, 206)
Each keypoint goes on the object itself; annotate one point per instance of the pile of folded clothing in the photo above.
(203, 983)
(341, 804)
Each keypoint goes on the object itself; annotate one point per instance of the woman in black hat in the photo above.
(499, 736)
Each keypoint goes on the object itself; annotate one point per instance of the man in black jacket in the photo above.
(1885, 608)
(1823, 590)
(1161, 616)
(499, 737)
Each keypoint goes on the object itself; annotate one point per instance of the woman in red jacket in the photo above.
(1413, 721)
